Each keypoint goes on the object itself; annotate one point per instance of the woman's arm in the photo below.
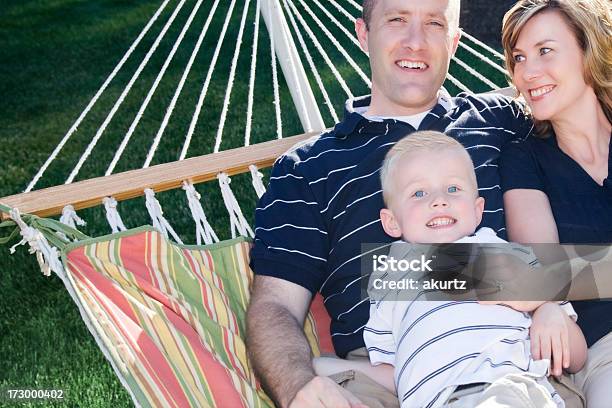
(529, 218)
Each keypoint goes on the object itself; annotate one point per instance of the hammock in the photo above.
(170, 317)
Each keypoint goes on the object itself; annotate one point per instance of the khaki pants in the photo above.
(510, 391)
(363, 387)
(595, 379)
(375, 395)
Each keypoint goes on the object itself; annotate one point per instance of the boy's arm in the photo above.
(556, 336)
(382, 373)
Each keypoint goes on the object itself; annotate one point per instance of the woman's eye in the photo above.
(519, 58)
(545, 50)
(419, 194)
(453, 189)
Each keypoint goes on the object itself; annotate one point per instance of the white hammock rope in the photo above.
(319, 48)
(70, 218)
(48, 256)
(157, 215)
(123, 95)
(249, 115)
(354, 4)
(112, 215)
(337, 44)
(151, 92)
(204, 231)
(483, 45)
(292, 64)
(475, 73)
(230, 80)
(483, 58)
(213, 63)
(93, 101)
(313, 68)
(181, 84)
(277, 107)
(349, 35)
(238, 222)
(458, 83)
(342, 10)
(257, 180)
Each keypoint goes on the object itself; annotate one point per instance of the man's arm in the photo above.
(279, 350)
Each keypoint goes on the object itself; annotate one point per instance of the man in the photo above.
(324, 196)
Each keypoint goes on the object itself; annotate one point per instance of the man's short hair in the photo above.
(368, 6)
(425, 140)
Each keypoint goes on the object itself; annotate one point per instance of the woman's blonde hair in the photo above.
(591, 23)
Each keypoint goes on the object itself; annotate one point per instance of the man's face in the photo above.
(410, 43)
(433, 198)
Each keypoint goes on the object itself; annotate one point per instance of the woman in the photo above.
(558, 183)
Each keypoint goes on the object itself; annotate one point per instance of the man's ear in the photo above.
(456, 39)
(389, 223)
(362, 33)
(480, 202)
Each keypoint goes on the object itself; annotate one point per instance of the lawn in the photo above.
(54, 55)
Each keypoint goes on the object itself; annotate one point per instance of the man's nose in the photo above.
(414, 36)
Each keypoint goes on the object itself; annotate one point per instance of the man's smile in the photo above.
(412, 65)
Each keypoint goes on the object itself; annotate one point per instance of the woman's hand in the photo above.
(549, 334)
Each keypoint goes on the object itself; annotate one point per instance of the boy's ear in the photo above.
(362, 33)
(480, 202)
(389, 223)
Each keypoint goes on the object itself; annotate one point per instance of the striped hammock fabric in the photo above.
(171, 318)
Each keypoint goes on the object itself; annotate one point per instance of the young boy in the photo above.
(449, 353)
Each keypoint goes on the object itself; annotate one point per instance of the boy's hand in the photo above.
(549, 334)
(519, 305)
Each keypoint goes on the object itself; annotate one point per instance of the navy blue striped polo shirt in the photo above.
(324, 198)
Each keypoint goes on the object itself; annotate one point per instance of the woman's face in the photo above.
(548, 68)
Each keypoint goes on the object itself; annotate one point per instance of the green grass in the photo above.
(54, 54)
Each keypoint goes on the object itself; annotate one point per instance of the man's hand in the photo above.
(323, 392)
(549, 334)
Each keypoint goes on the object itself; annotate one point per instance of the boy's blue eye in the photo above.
(419, 194)
(453, 189)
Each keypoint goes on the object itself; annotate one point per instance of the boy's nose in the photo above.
(439, 201)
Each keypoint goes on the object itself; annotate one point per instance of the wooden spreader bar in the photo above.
(162, 177)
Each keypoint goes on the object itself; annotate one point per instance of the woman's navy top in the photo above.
(582, 208)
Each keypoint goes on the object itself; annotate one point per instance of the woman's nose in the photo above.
(531, 71)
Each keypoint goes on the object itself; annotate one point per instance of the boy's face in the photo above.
(434, 198)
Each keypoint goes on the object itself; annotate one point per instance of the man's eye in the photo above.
(518, 58)
(436, 23)
(419, 194)
(452, 189)
(396, 19)
(545, 50)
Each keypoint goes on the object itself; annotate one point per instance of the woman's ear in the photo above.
(389, 223)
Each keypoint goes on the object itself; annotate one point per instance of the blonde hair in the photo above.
(421, 141)
(591, 23)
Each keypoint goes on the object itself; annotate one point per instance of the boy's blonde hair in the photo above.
(591, 23)
(421, 141)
